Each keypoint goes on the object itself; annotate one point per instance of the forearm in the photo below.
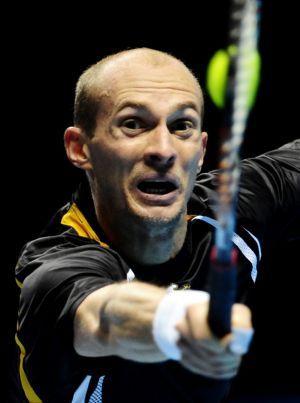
(117, 320)
(120, 319)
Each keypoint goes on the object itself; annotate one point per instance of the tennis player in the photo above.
(114, 293)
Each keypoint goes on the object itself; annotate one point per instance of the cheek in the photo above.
(111, 167)
(102, 157)
(191, 158)
(190, 168)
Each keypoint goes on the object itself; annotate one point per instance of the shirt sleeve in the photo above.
(269, 197)
(269, 193)
(48, 300)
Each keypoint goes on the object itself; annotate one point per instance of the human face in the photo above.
(146, 150)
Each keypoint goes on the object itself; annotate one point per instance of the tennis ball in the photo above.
(218, 70)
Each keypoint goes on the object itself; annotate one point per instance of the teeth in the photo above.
(156, 191)
(156, 187)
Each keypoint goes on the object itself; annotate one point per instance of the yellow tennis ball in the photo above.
(217, 75)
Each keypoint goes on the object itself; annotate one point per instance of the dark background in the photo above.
(45, 50)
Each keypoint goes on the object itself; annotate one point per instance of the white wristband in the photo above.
(170, 311)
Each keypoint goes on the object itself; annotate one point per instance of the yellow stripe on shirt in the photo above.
(28, 390)
(75, 219)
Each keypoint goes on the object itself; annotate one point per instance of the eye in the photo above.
(182, 126)
(133, 124)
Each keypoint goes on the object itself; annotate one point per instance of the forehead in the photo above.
(138, 82)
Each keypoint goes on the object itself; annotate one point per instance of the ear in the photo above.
(76, 148)
(204, 137)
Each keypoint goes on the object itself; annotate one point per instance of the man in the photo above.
(88, 332)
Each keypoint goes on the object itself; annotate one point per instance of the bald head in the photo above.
(97, 83)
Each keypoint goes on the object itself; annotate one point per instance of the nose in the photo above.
(160, 152)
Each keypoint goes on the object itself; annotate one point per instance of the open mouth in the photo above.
(157, 187)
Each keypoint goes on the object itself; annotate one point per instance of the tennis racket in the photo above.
(233, 77)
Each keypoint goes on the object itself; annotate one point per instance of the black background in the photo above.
(45, 50)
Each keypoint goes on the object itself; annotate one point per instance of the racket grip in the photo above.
(222, 282)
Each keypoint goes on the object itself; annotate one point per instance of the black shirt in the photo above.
(73, 258)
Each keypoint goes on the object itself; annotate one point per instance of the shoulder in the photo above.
(51, 259)
(61, 274)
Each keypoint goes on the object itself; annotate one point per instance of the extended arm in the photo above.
(118, 320)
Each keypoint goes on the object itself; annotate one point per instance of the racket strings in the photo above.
(243, 38)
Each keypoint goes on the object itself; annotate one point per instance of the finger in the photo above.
(241, 340)
(241, 316)
(202, 362)
(194, 324)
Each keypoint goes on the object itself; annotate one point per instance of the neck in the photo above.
(147, 242)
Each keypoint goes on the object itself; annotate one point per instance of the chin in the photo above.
(160, 216)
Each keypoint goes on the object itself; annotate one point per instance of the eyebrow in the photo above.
(178, 107)
(188, 105)
(130, 104)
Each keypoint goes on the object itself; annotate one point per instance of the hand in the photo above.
(202, 352)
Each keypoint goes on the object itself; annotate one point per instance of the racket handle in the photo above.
(223, 279)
